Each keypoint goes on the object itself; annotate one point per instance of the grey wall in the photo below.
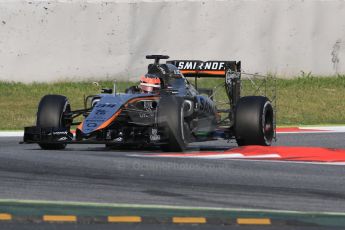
(57, 40)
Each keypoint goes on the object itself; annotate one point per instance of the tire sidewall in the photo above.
(266, 109)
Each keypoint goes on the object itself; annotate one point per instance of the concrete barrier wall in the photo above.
(56, 40)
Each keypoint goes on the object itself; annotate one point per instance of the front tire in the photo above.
(171, 118)
(254, 121)
(50, 114)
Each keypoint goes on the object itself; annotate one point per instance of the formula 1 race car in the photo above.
(165, 110)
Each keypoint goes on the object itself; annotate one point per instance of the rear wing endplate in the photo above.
(213, 69)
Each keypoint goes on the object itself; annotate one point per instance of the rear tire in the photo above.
(171, 118)
(50, 115)
(254, 121)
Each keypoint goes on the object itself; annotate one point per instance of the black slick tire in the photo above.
(50, 115)
(254, 121)
(171, 119)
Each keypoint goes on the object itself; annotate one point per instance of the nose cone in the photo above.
(101, 115)
(104, 113)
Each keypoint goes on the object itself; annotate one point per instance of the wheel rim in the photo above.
(267, 125)
(184, 126)
(63, 121)
(182, 123)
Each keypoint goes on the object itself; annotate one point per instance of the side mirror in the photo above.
(107, 90)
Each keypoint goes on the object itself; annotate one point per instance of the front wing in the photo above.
(39, 135)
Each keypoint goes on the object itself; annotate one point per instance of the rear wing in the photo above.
(213, 69)
(230, 71)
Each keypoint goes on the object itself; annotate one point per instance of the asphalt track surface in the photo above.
(92, 173)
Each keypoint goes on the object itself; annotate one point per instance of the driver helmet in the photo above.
(149, 83)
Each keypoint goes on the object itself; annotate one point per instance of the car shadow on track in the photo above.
(204, 148)
(194, 147)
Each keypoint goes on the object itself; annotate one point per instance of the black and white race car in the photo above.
(165, 110)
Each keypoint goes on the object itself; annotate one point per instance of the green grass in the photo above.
(304, 100)
(18, 102)
(312, 101)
